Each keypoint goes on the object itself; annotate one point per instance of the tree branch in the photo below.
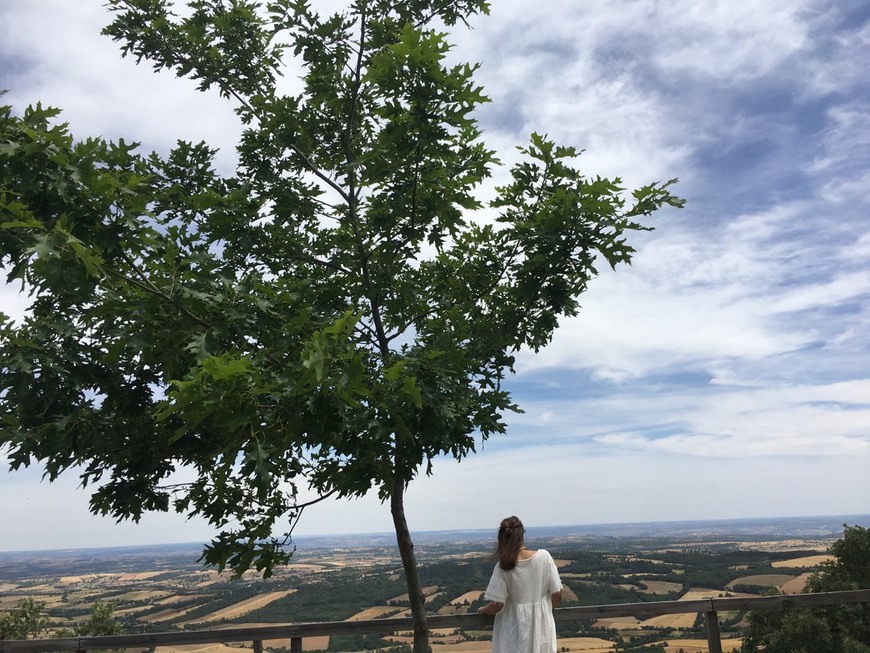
(145, 284)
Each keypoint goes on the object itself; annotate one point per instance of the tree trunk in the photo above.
(409, 563)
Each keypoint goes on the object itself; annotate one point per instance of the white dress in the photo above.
(525, 624)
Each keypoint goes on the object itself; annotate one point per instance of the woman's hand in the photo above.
(491, 608)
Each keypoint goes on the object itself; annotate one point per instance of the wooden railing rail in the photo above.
(295, 633)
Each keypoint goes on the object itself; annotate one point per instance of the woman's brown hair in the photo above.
(510, 542)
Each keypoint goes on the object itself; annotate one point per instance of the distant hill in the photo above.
(743, 529)
(778, 528)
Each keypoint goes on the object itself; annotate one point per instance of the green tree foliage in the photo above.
(337, 314)
(101, 621)
(838, 629)
(28, 619)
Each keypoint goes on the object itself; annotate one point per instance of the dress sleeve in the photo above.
(555, 583)
(497, 588)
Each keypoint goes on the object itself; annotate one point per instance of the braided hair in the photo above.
(510, 542)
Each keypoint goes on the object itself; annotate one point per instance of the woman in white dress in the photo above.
(523, 591)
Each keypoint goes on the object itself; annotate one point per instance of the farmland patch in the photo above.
(795, 585)
(375, 612)
(700, 645)
(803, 563)
(241, 608)
(618, 623)
(568, 594)
(659, 587)
(765, 580)
(468, 597)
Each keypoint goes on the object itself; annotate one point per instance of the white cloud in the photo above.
(842, 49)
(729, 40)
(56, 55)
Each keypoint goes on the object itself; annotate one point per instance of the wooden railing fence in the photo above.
(295, 633)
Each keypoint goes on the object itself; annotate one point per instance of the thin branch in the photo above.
(374, 302)
(320, 174)
(317, 261)
(146, 285)
(300, 508)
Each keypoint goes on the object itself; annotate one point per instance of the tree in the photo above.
(838, 629)
(338, 313)
(101, 621)
(27, 619)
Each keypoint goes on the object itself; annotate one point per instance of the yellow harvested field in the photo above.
(72, 580)
(701, 593)
(686, 620)
(431, 597)
(42, 588)
(242, 607)
(804, 562)
(10, 602)
(562, 563)
(320, 643)
(671, 621)
(167, 615)
(471, 597)
(372, 613)
(618, 623)
(568, 594)
(7, 587)
(795, 585)
(143, 575)
(660, 587)
(308, 644)
(197, 648)
(585, 644)
(579, 644)
(769, 580)
(700, 645)
(169, 600)
(427, 592)
(788, 545)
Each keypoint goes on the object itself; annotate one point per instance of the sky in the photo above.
(725, 374)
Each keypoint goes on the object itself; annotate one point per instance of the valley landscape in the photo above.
(165, 588)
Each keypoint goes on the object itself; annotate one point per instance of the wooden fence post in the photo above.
(714, 640)
(295, 645)
(258, 646)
